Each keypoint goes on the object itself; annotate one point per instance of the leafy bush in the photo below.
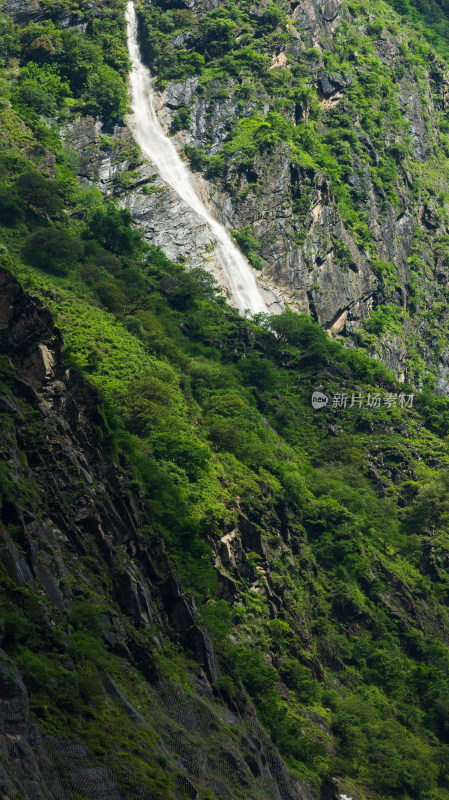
(106, 92)
(258, 678)
(110, 226)
(39, 192)
(53, 249)
(11, 208)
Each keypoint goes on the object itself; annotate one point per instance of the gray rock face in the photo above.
(23, 11)
(443, 374)
(180, 94)
(316, 264)
(168, 222)
(95, 783)
(164, 218)
(90, 524)
(318, 20)
(310, 259)
(414, 114)
(308, 276)
(100, 160)
(14, 706)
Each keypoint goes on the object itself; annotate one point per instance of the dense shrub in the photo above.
(39, 192)
(53, 249)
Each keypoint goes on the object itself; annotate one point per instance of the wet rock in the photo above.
(134, 597)
(8, 406)
(168, 222)
(198, 639)
(180, 608)
(23, 572)
(252, 538)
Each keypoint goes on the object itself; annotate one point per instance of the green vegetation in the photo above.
(231, 48)
(207, 408)
(430, 16)
(58, 66)
(339, 614)
(338, 112)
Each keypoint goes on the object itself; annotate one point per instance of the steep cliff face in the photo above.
(319, 130)
(321, 589)
(175, 444)
(118, 169)
(326, 143)
(88, 587)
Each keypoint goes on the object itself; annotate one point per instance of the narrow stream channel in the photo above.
(241, 281)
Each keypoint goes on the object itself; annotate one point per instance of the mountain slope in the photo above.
(325, 125)
(92, 613)
(201, 574)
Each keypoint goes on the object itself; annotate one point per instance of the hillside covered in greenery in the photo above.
(339, 112)
(310, 545)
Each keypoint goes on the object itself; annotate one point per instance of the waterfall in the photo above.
(241, 281)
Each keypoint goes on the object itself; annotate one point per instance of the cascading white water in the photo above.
(148, 133)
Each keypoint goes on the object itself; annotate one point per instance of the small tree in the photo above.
(36, 97)
(11, 210)
(107, 91)
(53, 249)
(39, 192)
(111, 226)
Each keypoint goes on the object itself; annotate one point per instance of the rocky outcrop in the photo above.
(311, 276)
(311, 255)
(28, 333)
(23, 11)
(73, 526)
(116, 167)
(168, 222)
(311, 258)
